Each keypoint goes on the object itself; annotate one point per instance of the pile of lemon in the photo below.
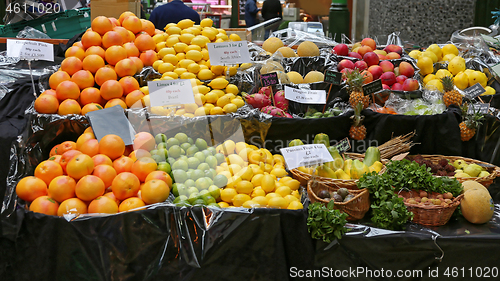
(256, 178)
(462, 77)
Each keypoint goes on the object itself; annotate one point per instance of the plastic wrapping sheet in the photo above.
(292, 37)
(303, 65)
(257, 53)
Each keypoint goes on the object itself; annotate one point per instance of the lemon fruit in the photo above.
(450, 49)
(435, 84)
(429, 77)
(456, 65)
(448, 57)
(441, 73)
(461, 80)
(185, 23)
(425, 65)
(277, 202)
(436, 50)
(227, 194)
(207, 22)
(295, 205)
(489, 91)
(239, 199)
(234, 37)
(415, 54)
(218, 83)
(477, 77)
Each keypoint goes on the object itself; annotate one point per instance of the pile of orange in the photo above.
(91, 176)
(98, 70)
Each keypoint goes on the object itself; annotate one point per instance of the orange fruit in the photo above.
(72, 206)
(138, 63)
(125, 185)
(111, 89)
(48, 170)
(113, 102)
(148, 57)
(56, 158)
(67, 156)
(131, 204)
(138, 153)
(148, 27)
(129, 84)
(112, 38)
(90, 107)
(124, 15)
(132, 50)
(44, 205)
(103, 205)
(114, 21)
(29, 188)
(46, 104)
(115, 54)
(123, 33)
(62, 188)
(133, 99)
(83, 78)
(101, 159)
(160, 175)
(106, 173)
(154, 191)
(67, 90)
(69, 106)
(91, 38)
(132, 23)
(57, 77)
(53, 151)
(89, 187)
(111, 195)
(101, 25)
(104, 74)
(93, 63)
(90, 147)
(112, 146)
(49, 92)
(144, 140)
(75, 51)
(78, 44)
(82, 139)
(145, 42)
(79, 166)
(90, 95)
(95, 50)
(123, 164)
(143, 166)
(65, 146)
(71, 65)
(125, 67)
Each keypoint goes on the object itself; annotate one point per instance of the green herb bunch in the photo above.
(326, 223)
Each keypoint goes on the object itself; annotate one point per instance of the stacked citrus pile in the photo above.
(90, 176)
(97, 71)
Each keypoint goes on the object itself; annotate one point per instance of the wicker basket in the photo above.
(352, 184)
(356, 208)
(486, 181)
(431, 215)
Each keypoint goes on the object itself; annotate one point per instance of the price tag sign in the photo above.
(306, 155)
(305, 96)
(474, 91)
(479, 107)
(30, 50)
(170, 92)
(333, 77)
(269, 79)
(373, 87)
(111, 121)
(343, 145)
(228, 53)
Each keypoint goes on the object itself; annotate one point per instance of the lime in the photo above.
(203, 193)
(174, 151)
(189, 173)
(182, 189)
(214, 205)
(183, 152)
(157, 158)
(197, 174)
(202, 184)
(199, 202)
(193, 197)
(161, 145)
(181, 137)
(208, 199)
(190, 183)
(207, 153)
(164, 166)
(192, 190)
(159, 138)
(183, 157)
(211, 173)
(162, 152)
(192, 150)
(179, 176)
(193, 162)
(220, 181)
(172, 141)
(183, 204)
(154, 151)
(201, 144)
(211, 161)
(185, 146)
(170, 159)
(180, 165)
(220, 158)
(214, 191)
(190, 141)
(203, 166)
(200, 155)
(180, 198)
(212, 150)
(175, 189)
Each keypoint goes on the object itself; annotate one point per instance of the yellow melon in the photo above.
(307, 49)
(272, 44)
(314, 76)
(287, 52)
(295, 77)
(472, 184)
(477, 205)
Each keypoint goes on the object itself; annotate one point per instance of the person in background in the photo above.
(271, 9)
(173, 12)
(251, 11)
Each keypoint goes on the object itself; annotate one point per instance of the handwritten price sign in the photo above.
(170, 92)
(228, 53)
(30, 50)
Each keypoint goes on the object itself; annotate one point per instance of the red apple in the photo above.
(397, 87)
(388, 78)
(387, 66)
(364, 49)
(386, 87)
(371, 58)
(369, 42)
(393, 56)
(393, 48)
(361, 65)
(368, 77)
(401, 79)
(355, 55)
(406, 69)
(410, 85)
(376, 71)
(341, 50)
(345, 63)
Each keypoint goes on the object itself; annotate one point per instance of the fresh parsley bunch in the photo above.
(326, 223)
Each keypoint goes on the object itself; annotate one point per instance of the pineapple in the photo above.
(450, 96)
(357, 130)
(469, 124)
(355, 84)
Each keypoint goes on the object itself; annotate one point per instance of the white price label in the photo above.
(306, 155)
(170, 92)
(305, 96)
(30, 50)
(225, 53)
